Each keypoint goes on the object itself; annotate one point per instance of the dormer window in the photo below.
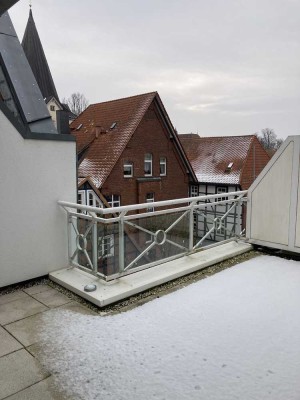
(128, 169)
(148, 164)
(52, 108)
(229, 167)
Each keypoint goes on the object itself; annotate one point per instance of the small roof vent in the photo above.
(113, 125)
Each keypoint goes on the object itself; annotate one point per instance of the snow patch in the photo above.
(234, 335)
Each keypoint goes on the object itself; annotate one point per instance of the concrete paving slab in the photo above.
(51, 298)
(37, 289)
(7, 298)
(7, 343)
(44, 390)
(75, 279)
(26, 330)
(19, 309)
(19, 370)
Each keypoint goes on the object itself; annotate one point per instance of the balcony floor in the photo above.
(108, 293)
(22, 377)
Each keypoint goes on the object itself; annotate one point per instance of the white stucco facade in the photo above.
(34, 175)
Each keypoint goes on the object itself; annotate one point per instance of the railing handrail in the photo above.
(132, 207)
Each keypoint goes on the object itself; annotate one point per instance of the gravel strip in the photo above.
(140, 298)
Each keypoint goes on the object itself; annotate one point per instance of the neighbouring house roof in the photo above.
(103, 130)
(34, 51)
(211, 157)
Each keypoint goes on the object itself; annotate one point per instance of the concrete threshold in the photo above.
(107, 293)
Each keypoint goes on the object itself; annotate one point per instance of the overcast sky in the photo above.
(221, 67)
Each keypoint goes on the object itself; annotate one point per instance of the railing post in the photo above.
(69, 219)
(191, 227)
(121, 243)
(95, 247)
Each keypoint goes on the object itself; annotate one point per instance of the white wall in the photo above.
(34, 175)
(273, 218)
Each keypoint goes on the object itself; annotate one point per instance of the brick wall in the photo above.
(256, 161)
(150, 137)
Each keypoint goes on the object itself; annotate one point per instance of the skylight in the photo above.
(78, 127)
(229, 166)
(113, 125)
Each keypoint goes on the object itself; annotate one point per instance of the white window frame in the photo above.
(96, 202)
(150, 200)
(148, 159)
(81, 197)
(128, 164)
(163, 163)
(103, 243)
(115, 200)
(194, 191)
(222, 189)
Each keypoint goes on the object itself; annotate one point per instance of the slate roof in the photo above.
(100, 143)
(210, 156)
(33, 49)
(6, 4)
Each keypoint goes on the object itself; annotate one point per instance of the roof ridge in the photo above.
(225, 136)
(125, 98)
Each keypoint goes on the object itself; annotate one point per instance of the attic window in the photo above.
(113, 125)
(78, 127)
(229, 167)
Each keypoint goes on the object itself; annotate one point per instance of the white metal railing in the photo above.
(112, 242)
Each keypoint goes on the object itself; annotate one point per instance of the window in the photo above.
(52, 108)
(114, 200)
(150, 199)
(128, 169)
(162, 166)
(106, 246)
(81, 197)
(92, 199)
(6, 94)
(148, 164)
(221, 189)
(194, 191)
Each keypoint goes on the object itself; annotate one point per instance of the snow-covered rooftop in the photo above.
(234, 335)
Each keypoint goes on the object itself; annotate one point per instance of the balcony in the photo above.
(117, 252)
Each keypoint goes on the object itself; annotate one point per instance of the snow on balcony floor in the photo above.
(234, 335)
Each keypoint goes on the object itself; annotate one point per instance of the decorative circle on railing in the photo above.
(81, 242)
(160, 237)
(218, 223)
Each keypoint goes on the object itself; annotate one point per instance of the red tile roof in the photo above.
(210, 156)
(102, 144)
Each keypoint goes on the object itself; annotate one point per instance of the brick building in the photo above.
(128, 153)
(221, 165)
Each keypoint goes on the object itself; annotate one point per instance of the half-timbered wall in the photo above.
(203, 222)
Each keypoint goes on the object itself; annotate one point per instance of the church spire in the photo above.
(33, 49)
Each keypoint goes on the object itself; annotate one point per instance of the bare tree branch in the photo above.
(76, 102)
(268, 139)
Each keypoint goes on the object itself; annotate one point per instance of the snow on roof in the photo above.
(211, 156)
(234, 335)
(101, 145)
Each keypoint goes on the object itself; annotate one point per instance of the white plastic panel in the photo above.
(270, 197)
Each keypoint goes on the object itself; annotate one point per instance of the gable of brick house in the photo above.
(112, 133)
